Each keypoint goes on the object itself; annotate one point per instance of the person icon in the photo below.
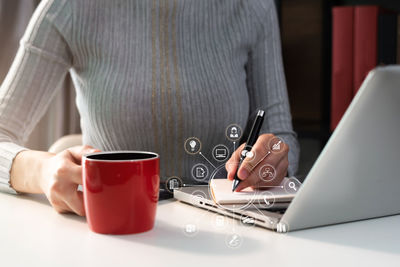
(234, 133)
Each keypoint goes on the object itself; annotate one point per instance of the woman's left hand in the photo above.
(266, 165)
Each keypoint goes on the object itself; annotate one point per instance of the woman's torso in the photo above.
(150, 74)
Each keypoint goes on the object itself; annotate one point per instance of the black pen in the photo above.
(251, 140)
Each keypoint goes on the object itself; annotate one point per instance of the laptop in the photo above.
(356, 175)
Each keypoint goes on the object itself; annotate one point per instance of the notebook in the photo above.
(221, 190)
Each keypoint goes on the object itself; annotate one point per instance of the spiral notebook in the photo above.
(221, 190)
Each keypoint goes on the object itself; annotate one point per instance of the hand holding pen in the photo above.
(266, 164)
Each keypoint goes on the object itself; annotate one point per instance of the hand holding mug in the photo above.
(60, 176)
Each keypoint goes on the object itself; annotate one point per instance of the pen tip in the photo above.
(234, 185)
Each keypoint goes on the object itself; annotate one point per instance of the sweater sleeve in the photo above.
(266, 80)
(40, 66)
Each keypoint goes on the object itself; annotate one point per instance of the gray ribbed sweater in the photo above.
(149, 74)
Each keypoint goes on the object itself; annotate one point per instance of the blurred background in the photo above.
(306, 33)
(62, 117)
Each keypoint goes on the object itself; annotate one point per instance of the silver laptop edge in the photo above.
(259, 217)
(356, 175)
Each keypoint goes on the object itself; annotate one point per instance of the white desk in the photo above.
(33, 234)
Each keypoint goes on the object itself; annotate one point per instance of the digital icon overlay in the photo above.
(198, 195)
(233, 132)
(220, 153)
(282, 227)
(192, 145)
(220, 221)
(276, 144)
(190, 229)
(292, 185)
(247, 220)
(200, 172)
(267, 173)
(268, 200)
(208, 170)
(172, 183)
(218, 173)
(233, 240)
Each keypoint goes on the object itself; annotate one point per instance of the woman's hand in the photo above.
(266, 165)
(60, 177)
(55, 175)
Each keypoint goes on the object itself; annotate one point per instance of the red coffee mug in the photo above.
(121, 191)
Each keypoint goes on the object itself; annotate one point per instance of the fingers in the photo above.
(76, 174)
(72, 164)
(65, 173)
(68, 200)
(259, 151)
(233, 162)
(61, 207)
(280, 170)
(72, 203)
(262, 155)
(255, 181)
(75, 202)
(76, 153)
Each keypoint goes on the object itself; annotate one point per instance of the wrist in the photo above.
(42, 171)
(27, 171)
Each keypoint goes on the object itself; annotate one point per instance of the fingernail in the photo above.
(243, 174)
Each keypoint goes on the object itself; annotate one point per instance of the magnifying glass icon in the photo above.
(292, 185)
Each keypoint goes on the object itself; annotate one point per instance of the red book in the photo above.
(365, 42)
(342, 62)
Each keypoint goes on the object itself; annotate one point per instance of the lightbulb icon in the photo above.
(192, 145)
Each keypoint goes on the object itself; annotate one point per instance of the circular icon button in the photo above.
(276, 144)
(233, 241)
(291, 185)
(220, 221)
(192, 145)
(200, 172)
(172, 183)
(247, 220)
(198, 196)
(233, 132)
(282, 227)
(267, 200)
(190, 229)
(220, 153)
(248, 154)
(267, 173)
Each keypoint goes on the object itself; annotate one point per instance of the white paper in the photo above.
(222, 193)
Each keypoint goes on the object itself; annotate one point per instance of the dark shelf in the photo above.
(306, 29)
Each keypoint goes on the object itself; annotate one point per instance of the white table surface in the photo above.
(33, 234)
